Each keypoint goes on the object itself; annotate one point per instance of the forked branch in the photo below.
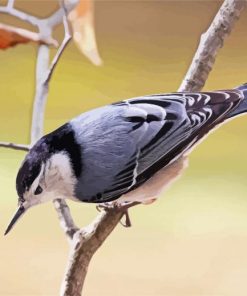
(10, 10)
(44, 71)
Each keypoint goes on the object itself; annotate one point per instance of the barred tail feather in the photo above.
(242, 107)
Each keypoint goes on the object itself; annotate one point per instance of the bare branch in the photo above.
(211, 41)
(65, 42)
(65, 218)
(10, 4)
(14, 146)
(21, 15)
(41, 93)
(37, 128)
(56, 18)
(43, 75)
(85, 243)
(11, 36)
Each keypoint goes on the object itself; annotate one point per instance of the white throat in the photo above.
(59, 176)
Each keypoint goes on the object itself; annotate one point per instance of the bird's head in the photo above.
(46, 174)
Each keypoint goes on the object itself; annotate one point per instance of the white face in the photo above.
(55, 180)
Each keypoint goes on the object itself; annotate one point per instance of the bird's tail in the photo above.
(242, 107)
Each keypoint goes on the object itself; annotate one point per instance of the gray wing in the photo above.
(139, 136)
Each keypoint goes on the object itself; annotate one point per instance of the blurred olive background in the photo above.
(193, 240)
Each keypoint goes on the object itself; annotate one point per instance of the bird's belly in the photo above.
(157, 184)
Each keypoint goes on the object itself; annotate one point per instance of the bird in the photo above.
(125, 152)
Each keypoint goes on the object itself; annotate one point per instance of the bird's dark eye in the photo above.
(38, 190)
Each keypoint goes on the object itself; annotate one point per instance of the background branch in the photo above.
(14, 146)
(211, 42)
(65, 42)
(20, 15)
(57, 17)
(11, 4)
(44, 71)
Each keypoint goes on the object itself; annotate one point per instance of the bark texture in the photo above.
(211, 42)
(83, 246)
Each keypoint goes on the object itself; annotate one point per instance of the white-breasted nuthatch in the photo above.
(128, 151)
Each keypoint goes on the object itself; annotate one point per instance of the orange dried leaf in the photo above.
(11, 36)
(82, 21)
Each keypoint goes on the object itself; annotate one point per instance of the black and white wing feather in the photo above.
(155, 130)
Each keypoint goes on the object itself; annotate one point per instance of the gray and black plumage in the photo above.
(115, 151)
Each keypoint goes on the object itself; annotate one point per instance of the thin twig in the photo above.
(61, 206)
(21, 15)
(57, 17)
(65, 218)
(65, 42)
(14, 146)
(10, 4)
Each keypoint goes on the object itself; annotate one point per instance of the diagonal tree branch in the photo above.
(57, 17)
(14, 146)
(65, 42)
(85, 243)
(11, 36)
(211, 42)
(20, 15)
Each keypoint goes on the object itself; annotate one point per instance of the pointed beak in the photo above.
(19, 213)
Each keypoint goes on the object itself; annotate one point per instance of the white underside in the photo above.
(157, 184)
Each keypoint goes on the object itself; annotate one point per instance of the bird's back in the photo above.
(124, 144)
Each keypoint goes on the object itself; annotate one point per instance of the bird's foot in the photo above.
(125, 208)
(107, 206)
(127, 222)
(111, 206)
